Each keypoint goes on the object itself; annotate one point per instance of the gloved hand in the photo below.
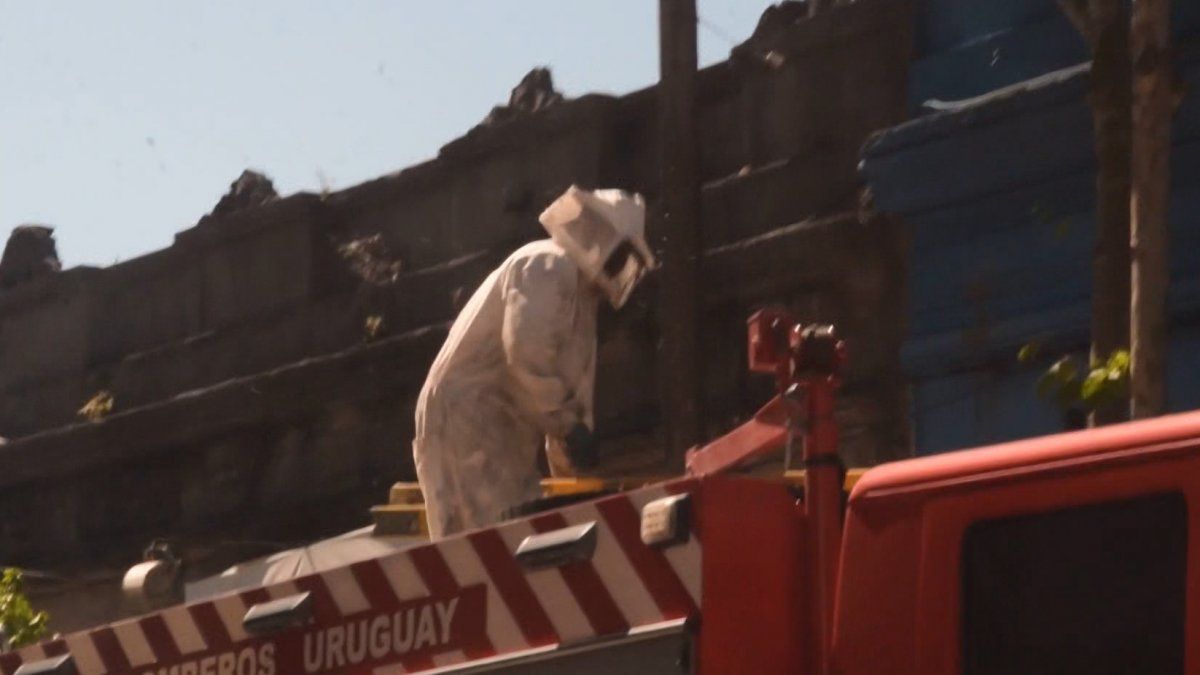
(582, 447)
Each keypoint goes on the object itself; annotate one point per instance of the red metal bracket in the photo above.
(765, 433)
(806, 362)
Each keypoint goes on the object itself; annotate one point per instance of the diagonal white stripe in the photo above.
(282, 589)
(345, 591)
(551, 591)
(83, 651)
(402, 575)
(615, 570)
(685, 560)
(449, 658)
(468, 569)
(133, 642)
(183, 630)
(232, 610)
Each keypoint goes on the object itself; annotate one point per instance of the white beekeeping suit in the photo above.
(520, 361)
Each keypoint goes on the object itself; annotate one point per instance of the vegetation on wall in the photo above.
(20, 624)
(1100, 386)
(98, 407)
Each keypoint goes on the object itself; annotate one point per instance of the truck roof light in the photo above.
(58, 665)
(558, 547)
(666, 521)
(277, 615)
(153, 584)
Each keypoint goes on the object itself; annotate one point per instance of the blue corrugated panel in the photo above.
(966, 48)
(1000, 194)
(943, 25)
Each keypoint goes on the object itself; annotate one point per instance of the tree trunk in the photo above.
(1112, 116)
(679, 298)
(1155, 101)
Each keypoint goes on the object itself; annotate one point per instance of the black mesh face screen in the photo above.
(620, 255)
(1094, 590)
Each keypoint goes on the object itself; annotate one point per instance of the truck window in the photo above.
(1095, 589)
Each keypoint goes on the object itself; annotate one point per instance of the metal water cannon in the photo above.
(157, 581)
(781, 346)
(807, 362)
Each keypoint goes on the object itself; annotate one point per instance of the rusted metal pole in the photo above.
(1104, 24)
(1156, 98)
(823, 480)
(679, 229)
(1112, 115)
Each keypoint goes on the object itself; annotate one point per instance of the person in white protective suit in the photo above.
(519, 365)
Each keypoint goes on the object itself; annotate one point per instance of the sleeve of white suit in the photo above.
(539, 312)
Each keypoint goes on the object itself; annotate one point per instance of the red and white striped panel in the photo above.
(625, 585)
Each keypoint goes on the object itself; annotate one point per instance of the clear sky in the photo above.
(123, 121)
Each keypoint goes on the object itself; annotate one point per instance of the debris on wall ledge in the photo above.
(788, 30)
(534, 93)
(371, 260)
(777, 20)
(249, 190)
(30, 253)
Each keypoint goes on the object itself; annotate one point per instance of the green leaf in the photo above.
(1108, 381)
(18, 620)
(1103, 383)
(1064, 370)
(1119, 360)
(1060, 382)
(1094, 385)
(1029, 352)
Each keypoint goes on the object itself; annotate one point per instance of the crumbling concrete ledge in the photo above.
(279, 395)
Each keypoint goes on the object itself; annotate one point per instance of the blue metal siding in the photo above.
(966, 48)
(966, 410)
(943, 25)
(1000, 195)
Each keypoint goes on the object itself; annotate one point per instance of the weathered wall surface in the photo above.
(231, 297)
(250, 406)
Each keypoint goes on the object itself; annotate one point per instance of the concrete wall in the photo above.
(250, 407)
(205, 309)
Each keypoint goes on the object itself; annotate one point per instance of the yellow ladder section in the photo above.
(404, 514)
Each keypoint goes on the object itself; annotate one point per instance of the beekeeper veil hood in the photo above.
(604, 232)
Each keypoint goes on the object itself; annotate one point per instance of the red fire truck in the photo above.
(1064, 554)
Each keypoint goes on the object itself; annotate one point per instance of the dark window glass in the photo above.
(1096, 589)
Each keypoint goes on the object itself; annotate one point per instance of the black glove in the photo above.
(582, 448)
